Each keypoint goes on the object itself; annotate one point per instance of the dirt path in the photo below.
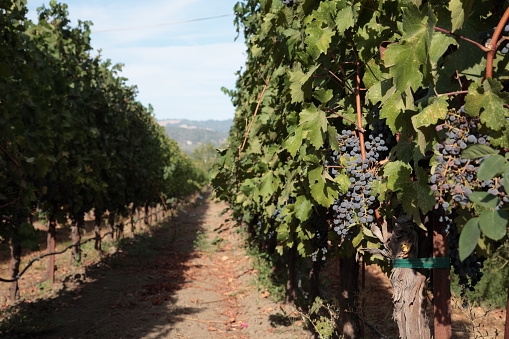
(187, 280)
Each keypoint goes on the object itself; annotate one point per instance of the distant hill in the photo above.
(189, 133)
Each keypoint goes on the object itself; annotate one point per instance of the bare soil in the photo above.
(186, 278)
(190, 282)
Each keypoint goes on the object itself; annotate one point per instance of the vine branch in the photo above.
(462, 38)
(493, 44)
(358, 108)
(255, 113)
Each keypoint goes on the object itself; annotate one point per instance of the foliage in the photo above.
(73, 136)
(316, 69)
(204, 156)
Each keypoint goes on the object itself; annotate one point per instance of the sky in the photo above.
(178, 68)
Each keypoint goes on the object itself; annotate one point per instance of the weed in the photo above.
(201, 242)
(267, 279)
(44, 286)
(323, 317)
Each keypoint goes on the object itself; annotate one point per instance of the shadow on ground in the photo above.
(127, 295)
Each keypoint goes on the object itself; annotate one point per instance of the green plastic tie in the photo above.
(439, 262)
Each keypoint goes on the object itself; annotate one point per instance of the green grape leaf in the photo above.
(333, 137)
(343, 181)
(493, 223)
(408, 60)
(318, 38)
(314, 124)
(486, 101)
(460, 10)
(320, 191)
(300, 83)
(397, 174)
(431, 113)
(484, 199)
(323, 95)
(294, 141)
(392, 110)
(491, 167)
(468, 238)
(269, 184)
(303, 208)
(477, 151)
(345, 19)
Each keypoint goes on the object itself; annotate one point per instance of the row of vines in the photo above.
(375, 130)
(73, 137)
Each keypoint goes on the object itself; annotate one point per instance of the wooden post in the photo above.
(51, 244)
(441, 285)
(348, 297)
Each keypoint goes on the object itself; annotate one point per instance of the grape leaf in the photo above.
(468, 238)
(431, 113)
(477, 151)
(491, 167)
(493, 223)
(299, 87)
(408, 59)
(345, 18)
(397, 174)
(320, 191)
(293, 142)
(269, 184)
(303, 208)
(484, 199)
(486, 100)
(314, 124)
(318, 39)
(460, 10)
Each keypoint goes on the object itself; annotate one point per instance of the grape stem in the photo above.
(485, 49)
(332, 166)
(493, 44)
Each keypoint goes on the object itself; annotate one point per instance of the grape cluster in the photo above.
(358, 204)
(320, 238)
(455, 177)
(289, 3)
(452, 181)
(485, 38)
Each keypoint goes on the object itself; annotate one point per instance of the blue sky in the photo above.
(179, 68)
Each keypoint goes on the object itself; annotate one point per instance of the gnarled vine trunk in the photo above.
(409, 284)
(51, 243)
(76, 227)
(15, 247)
